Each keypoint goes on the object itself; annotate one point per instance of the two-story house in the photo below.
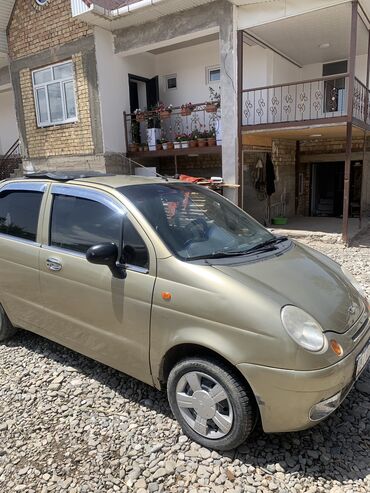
(241, 83)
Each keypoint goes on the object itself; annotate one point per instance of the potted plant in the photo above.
(164, 111)
(193, 142)
(214, 101)
(203, 138)
(158, 145)
(177, 142)
(139, 115)
(164, 144)
(211, 137)
(185, 141)
(170, 146)
(187, 109)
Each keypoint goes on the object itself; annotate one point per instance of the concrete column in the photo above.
(229, 96)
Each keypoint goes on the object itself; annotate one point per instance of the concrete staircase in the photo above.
(10, 163)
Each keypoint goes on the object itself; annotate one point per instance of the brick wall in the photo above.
(203, 165)
(33, 28)
(66, 139)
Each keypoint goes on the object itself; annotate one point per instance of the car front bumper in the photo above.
(286, 397)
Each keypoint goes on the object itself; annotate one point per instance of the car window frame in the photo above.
(27, 186)
(101, 197)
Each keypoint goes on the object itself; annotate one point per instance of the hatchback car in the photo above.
(172, 284)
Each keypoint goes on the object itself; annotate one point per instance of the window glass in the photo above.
(42, 105)
(77, 224)
(171, 82)
(63, 71)
(55, 102)
(214, 75)
(55, 95)
(19, 213)
(42, 76)
(70, 100)
(195, 222)
(134, 250)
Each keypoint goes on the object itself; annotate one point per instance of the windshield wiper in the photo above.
(218, 254)
(268, 243)
(266, 246)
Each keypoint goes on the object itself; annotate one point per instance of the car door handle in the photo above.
(54, 264)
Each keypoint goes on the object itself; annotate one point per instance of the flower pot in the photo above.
(158, 147)
(211, 141)
(165, 146)
(211, 108)
(133, 147)
(202, 142)
(170, 146)
(140, 117)
(185, 144)
(177, 145)
(163, 115)
(193, 143)
(185, 111)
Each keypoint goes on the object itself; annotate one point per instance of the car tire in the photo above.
(211, 403)
(6, 328)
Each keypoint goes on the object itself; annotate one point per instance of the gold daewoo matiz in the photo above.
(173, 284)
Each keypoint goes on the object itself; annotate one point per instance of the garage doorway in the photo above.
(327, 189)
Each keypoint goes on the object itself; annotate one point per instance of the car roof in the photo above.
(97, 178)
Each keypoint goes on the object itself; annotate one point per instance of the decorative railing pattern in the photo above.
(361, 109)
(180, 123)
(294, 102)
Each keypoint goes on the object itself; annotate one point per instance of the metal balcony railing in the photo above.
(318, 99)
(199, 126)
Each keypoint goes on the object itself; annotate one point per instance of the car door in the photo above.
(87, 308)
(21, 205)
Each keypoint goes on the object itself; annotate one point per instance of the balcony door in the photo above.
(334, 89)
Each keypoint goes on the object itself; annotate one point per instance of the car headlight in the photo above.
(303, 328)
(354, 282)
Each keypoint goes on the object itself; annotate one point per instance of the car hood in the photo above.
(305, 278)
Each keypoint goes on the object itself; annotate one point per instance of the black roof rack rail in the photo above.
(65, 175)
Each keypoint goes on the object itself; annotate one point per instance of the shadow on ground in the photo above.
(337, 449)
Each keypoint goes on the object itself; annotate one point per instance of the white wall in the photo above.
(8, 122)
(113, 84)
(189, 64)
(257, 64)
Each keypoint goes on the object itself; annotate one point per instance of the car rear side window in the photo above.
(78, 223)
(19, 213)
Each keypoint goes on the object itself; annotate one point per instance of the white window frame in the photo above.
(208, 74)
(44, 85)
(167, 78)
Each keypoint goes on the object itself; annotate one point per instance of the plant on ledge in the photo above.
(139, 115)
(187, 109)
(214, 101)
(163, 110)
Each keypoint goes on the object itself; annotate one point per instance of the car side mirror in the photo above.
(107, 254)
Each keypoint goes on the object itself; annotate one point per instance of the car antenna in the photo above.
(131, 161)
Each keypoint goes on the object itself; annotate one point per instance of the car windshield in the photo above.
(195, 222)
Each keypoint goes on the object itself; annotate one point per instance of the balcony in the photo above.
(182, 130)
(311, 102)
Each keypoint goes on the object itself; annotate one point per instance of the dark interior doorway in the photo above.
(327, 189)
(144, 93)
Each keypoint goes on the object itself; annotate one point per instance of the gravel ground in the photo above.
(68, 424)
